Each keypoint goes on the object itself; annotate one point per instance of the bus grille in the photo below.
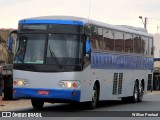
(117, 83)
(120, 83)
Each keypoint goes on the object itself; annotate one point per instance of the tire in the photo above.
(8, 93)
(134, 98)
(8, 87)
(140, 94)
(156, 83)
(93, 103)
(37, 104)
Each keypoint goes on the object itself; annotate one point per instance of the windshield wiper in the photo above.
(54, 58)
(18, 58)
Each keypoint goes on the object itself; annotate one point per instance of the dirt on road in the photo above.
(15, 104)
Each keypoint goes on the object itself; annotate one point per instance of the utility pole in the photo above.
(144, 22)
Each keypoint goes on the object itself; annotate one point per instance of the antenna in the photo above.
(89, 10)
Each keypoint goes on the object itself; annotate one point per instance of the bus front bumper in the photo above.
(55, 94)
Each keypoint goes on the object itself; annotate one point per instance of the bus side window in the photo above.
(151, 48)
(144, 45)
(128, 43)
(97, 37)
(94, 42)
(137, 44)
(108, 40)
(119, 41)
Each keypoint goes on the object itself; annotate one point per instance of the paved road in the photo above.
(151, 102)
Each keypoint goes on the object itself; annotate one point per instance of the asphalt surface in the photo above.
(114, 110)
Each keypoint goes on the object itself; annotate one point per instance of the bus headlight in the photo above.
(20, 82)
(69, 84)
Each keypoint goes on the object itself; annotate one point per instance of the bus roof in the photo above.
(124, 28)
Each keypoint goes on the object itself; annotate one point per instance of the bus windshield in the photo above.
(30, 49)
(53, 46)
(65, 47)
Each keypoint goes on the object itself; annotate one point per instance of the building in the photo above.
(156, 45)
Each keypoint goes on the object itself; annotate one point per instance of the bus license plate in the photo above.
(42, 92)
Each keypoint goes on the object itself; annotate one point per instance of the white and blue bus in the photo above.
(71, 59)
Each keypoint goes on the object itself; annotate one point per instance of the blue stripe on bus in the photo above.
(62, 94)
(70, 22)
(119, 61)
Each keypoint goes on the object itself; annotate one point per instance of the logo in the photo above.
(17, 114)
(6, 114)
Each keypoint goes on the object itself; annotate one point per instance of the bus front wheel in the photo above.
(93, 102)
(37, 104)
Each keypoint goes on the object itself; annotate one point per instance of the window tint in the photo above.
(128, 43)
(108, 43)
(33, 28)
(70, 29)
(119, 41)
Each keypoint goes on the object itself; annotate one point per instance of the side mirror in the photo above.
(10, 40)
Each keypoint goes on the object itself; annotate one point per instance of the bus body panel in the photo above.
(49, 82)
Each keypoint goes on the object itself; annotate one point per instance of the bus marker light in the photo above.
(74, 85)
(15, 83)
(14, 91)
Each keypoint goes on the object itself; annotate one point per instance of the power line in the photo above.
(89, 10)
(154, 19)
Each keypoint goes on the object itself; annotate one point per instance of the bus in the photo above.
(67, 59)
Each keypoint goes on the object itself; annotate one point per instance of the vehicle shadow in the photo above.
(76, 107)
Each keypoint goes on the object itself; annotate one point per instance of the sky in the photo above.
(117, 12)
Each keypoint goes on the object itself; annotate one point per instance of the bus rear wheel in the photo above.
(156, 83)
(134, 98)
(37, 104)
(140, 93)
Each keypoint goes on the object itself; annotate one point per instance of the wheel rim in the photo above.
(141, 94)
(135, 93)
